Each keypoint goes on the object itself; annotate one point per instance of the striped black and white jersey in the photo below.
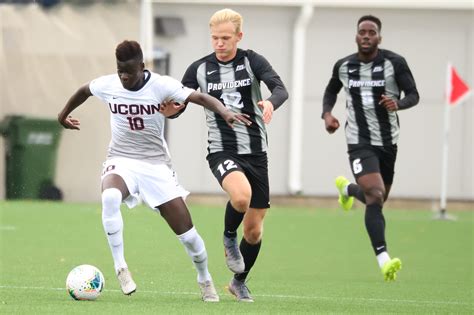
(237, 85)
(368, 122)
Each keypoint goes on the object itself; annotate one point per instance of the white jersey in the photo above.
(136, 123)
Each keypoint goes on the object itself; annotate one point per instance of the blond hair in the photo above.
(227, 15)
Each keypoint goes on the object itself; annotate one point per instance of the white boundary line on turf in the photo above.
(356, 299)
(7, 228)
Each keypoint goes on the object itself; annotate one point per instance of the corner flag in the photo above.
(457, 89)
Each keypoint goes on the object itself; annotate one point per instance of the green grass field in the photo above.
(312, 261)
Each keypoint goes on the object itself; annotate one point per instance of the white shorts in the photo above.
(155, 184)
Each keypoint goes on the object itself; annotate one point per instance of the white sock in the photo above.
(382, 258)
(196, 249)
(113, 225)
(346, 191)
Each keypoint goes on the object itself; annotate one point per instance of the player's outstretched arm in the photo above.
(171, 109)
(79, 97)
(216, 106)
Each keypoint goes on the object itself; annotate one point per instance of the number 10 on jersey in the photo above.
(136, 123)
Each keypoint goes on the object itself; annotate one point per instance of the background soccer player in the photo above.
(137, 162)
(373, 80)
(237, 157)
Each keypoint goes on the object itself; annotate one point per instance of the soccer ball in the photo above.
(85, 282)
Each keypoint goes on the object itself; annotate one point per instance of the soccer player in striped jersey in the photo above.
(138, 162)
(373, 80)
(237, 157)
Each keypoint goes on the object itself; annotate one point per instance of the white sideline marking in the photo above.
(280, 296)
(7, 228)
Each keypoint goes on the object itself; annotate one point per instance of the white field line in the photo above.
(7, 228)
(278, 296)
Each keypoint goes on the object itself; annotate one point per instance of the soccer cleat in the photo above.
(126, 282)
(344, 200)
(239, 290)
(390, 268)
(233, 257)
(208, 291)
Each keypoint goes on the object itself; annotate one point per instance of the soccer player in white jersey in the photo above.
(138, 163)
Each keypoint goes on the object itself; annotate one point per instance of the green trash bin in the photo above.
(31, 150)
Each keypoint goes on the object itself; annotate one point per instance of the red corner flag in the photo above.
(457, 89)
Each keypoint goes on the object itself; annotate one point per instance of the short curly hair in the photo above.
(128, 50)
(371, 18)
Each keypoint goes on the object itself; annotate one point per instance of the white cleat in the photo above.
(208, 291)
(126, 282)
(240, 290)
(233, 257)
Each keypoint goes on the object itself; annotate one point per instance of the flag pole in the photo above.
(442, 214)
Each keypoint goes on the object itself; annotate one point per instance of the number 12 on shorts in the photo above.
(226, 166)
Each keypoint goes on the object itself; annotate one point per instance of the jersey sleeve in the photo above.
(97, 87)
(190, 77)
(264, 72)
(406, 83)
(332, 89)
(175, 90)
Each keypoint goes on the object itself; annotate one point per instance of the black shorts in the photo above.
(255, 168)
(367, 159)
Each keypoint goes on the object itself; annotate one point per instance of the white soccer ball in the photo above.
(85, 282)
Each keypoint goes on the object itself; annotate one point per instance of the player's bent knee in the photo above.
(375, 195)
(253, 235)
(111, 200)
(241, 203)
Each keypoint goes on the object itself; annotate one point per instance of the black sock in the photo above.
(232, 220)
(250, 253)
(355, 191)
(375, 225)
